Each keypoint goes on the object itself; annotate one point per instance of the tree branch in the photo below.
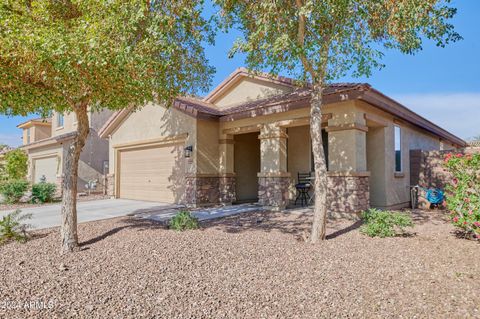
(301, 40)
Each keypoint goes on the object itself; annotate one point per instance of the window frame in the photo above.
(397, 133)
(29, 135)
(60, 116)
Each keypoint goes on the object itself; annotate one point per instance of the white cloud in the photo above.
(11, 139)
(459, 113)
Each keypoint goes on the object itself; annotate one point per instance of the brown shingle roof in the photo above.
(299, 98)
(297, 95)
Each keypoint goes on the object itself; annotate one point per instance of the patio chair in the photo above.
(303, 187)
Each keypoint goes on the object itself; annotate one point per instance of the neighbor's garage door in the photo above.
(45, 167)
(149, 174)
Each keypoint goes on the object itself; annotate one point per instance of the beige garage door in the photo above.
(45, 167)
(150, 174)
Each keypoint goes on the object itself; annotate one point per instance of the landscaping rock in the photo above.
(239, 268)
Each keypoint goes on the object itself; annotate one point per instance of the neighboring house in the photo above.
(46, 141)
(249, 138)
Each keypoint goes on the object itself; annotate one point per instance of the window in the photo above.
(28, 135)
(59, 120)
(398, 149)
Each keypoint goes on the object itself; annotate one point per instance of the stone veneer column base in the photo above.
(348, 195)
(59, 184)
(110, 185)
(209, 190)
(273, 191)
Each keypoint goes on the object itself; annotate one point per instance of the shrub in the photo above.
(16, 164)
(43, 192)
(13, 228)
(378, 223)
(183, 221)
(13, 190)
(463, 194)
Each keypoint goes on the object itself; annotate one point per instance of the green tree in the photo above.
(81, 55)
(320, 41)
(16, 164)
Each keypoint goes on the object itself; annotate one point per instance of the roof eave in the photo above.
(389, 105)
(59, 139)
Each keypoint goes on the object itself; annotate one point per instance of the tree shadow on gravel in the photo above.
(345, 230)
(298, 225)
(130, 223)
(435, 217)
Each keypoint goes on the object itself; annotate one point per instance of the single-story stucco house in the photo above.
(47, 140)
(249, 138)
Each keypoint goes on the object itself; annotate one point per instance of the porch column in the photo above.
(226, 169)
(273, 178)
(347, 142)
(348, 179)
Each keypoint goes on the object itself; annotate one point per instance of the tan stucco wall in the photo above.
(25, 140)
(37, 132)
(387, 188)
(271, 118)
(42, 132)
(347, 146)
(69, 124)
(154, 122)
(376, 161)
(207, 147)
(249, 89)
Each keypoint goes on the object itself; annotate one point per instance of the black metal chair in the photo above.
(303, 187)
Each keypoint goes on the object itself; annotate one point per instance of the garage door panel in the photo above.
(151, 174)
(45, 167)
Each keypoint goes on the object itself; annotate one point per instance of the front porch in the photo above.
(266, 159)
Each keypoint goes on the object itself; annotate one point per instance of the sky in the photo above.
(441, 84)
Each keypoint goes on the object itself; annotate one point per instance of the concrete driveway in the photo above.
(49, 215)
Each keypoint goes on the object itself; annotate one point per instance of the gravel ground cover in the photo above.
(250, 266)
(85, 198)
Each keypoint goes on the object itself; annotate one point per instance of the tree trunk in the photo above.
(320, 210)
(69, 186)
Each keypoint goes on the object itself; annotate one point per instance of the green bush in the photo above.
(16, 164)
(13, 228)
(463, 193)
(183, 221)
(378, 223)
(43, 192)
(13, 190)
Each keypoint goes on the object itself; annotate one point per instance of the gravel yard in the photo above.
(85, 198)
(249, 266)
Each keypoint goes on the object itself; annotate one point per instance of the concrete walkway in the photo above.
(49, 215)
(165, 215)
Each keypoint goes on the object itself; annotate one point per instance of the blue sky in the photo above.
(442, 84)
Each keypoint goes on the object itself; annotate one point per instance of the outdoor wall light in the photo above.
(188, 151)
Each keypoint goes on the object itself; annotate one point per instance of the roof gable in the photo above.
(35, 122)
(241, 87)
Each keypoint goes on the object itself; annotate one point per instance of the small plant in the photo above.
(378, 223)
(13, 190)
(463, 193)
(183, 221)
(43, 192)
(13, 228)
